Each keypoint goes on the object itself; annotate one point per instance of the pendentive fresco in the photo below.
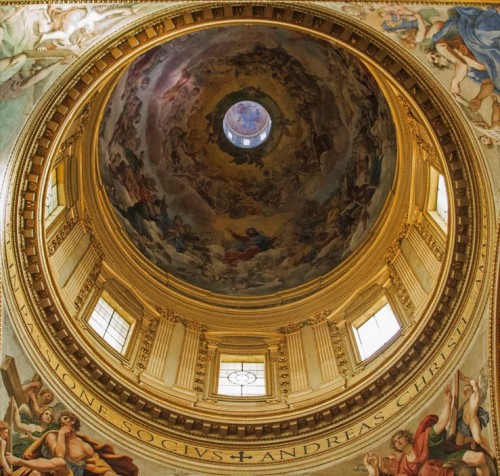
(39, 434)
(226, 239)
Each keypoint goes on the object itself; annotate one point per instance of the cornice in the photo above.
(25, 248)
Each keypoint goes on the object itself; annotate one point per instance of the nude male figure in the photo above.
(70, 452)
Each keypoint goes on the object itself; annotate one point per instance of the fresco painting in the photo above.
(248, 221)
(462, 47)
(37, 42)
(35, 425)
(445, 444)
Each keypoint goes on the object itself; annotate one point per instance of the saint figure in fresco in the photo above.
(469, 40)
(247, 246)
(427, 452)
(65, 452)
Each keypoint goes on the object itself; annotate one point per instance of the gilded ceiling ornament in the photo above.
(168, 314)
(395, 246)
(88, 285)
(147, 344)
(422, 225)
(338, 334)
(292, 328)
(402, 292)
(69, 222)
(319, 317)
(145, 410)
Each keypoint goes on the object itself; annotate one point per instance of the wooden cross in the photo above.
(14, 388)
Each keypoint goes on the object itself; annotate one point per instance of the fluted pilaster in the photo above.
(296, 358)
(158, 358)
(189, 355)
(326, 353)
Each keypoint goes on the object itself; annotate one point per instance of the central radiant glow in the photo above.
(247, 124)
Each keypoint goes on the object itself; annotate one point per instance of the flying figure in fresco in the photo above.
(248, 245)
(469, 41)
(471, 416)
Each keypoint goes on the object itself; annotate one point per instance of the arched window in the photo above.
(438, 203)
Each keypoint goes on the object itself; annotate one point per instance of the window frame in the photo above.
(57, 175)
(242, 359)
(126, 349)
(357, 323)
(433, 196)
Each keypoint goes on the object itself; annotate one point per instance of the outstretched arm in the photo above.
(445, 416)
(41, 74)
(17, 418)
(30, 386)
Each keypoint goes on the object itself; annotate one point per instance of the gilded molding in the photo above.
(58, 239)
(339, 348)
(147, 344)
(283, 368)
(423, 227)
(89, 283)
(35, 155)
(168, 315)
(201, 367)
(319, 317)
(395, 246)
(402, 292)
(94, 241)
(193, 326)
(82, 123)
(421, 140)
(292, 328)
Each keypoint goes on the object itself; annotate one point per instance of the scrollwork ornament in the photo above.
(339, 349)
(168, 314)
(61, 235)
(193, 326)
(423, 228)
(319, 317)
(395, 246)
(402, 293)
(292, 328)
(201, 364)
(284, 375)
(147, 344)
(88, 285)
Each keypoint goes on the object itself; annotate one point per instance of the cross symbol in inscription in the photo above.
(241, 457)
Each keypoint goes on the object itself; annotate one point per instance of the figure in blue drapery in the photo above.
(470, 39)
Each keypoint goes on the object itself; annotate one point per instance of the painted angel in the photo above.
(472, 417)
